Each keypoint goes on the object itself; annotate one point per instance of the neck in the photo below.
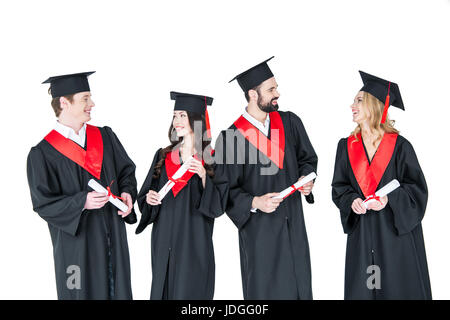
(71, 123)
(369, 133)
(188, 143)
(256, 112)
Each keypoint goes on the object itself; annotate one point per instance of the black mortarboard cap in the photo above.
(69, 84)
(254, 76)
(190, 102)
(193, 103)
(380, 88)
(385, 91)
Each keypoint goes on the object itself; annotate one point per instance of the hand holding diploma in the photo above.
(129, 202)
(152, 198)
(376, 201)
(177, 175)
(99, 201)
(304, 185)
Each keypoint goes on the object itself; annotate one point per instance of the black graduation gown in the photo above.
(274, 249)
(183, 264)
(93, 240)
(391, 238)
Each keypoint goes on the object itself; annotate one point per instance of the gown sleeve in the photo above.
(126, 178)
(409, 201)
(343, 193)
(149, 213)
(213, 197)
(230, 177)
(59, 210)
(306, 156)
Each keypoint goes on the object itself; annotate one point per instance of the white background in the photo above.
(141, 50)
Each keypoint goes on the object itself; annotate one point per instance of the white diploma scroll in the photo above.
(116, 202)
(178, 174)
(298, 184)
(391, 186)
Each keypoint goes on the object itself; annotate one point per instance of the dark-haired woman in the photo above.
(182, 249)
(386, 257)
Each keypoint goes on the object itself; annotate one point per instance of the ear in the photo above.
(63, 102)
(253, 95)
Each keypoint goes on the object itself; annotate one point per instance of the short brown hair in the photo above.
(56, 105)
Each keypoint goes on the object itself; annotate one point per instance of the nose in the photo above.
(277, 94)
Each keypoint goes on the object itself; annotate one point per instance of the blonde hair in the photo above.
(375, 108)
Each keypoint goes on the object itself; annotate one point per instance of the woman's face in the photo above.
(181, 123)
(359, 111)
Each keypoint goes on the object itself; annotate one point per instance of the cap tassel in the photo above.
(208, 127)
(386, 105)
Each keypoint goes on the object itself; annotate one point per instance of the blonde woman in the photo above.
(386, 256)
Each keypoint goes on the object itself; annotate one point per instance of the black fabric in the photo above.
(190, 102)
(93, 240)
(379, 88)
(254, 76)
(391, 238)
(183, 264)
(274, 250)
(69, 84)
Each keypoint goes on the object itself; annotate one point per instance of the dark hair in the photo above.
(257, 89)
(174, 140)
(56, 104)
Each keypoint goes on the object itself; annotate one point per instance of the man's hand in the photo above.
(128, 201)
(307, 188)
(95, 200)
(266, 203)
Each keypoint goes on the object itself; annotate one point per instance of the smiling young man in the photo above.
(261, 154)
(88, 233)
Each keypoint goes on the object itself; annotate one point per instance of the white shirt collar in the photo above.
(264, 128)
(69, 133)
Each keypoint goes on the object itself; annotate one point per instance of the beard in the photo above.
(267, 107)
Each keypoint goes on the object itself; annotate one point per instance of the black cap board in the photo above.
(190, 102)
(381, 88)
(69, 84)
(254, 76)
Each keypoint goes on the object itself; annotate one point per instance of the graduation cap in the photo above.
(254, 76)
(193, 103)
(385, 91)
(69, 84)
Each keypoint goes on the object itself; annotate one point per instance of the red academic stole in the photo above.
(173, 163)
(90, 159)
(369, 176)
(273, 148)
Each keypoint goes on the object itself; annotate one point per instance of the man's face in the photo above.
(268, 95)
(80, 108)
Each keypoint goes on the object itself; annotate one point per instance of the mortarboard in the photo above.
(254, 76)
(69, 84)
(385, 91)
(193, 103)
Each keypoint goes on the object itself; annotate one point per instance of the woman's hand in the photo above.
(196, 166)
(152, 198)
(378, 205)
(358, 206)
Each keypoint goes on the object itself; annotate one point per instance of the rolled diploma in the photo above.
(391, 186)
(297, 185)
(178, 174)
(116, 202)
